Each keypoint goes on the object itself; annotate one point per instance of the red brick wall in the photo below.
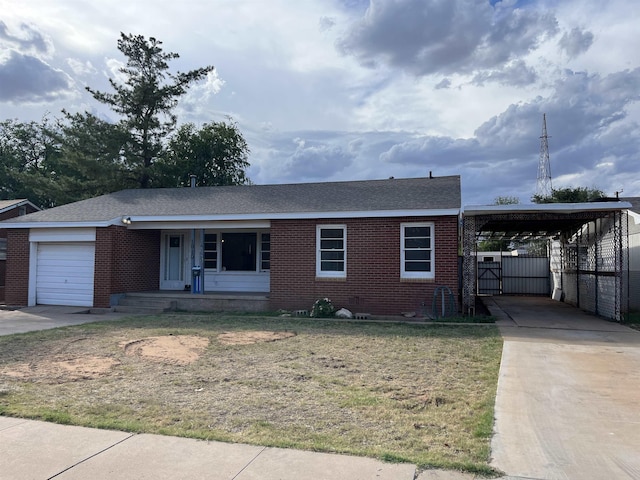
(126, 261)
(373, 284)
(17, 278)
(12, 213)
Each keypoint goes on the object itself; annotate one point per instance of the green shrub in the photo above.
(322, 308)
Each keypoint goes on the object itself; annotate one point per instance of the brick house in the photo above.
(380, 246)
(10, 209)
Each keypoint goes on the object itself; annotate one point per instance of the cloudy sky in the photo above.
(329, 90)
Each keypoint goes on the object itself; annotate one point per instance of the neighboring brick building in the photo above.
(10, 209)
(378, 246)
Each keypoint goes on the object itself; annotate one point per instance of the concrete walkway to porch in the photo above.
(568, 400)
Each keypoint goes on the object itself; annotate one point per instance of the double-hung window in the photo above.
(331, 251)
(211, 251)
(416, 250)
(265, 252)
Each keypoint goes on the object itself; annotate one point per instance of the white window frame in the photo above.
(261, 252)
(427, 275)
(330, 273)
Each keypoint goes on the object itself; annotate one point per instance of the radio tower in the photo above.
(543, 186)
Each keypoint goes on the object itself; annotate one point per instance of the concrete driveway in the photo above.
(568, 401)
(43, 317)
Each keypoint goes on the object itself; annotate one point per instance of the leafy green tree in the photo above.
(28, 155)
(506, 200)
(53, 163)
(146, 102)
(217, 154)
(91, 160)
(570, 195)
(82, 156)
(494, 244)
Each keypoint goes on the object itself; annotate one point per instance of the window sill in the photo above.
(417, 280)
(331, 279)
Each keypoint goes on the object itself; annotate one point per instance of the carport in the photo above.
(588, 245)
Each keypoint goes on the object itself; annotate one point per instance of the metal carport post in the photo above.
(566, 221)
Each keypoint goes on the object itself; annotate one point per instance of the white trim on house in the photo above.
(50, 236)
(33, 268)
(472, 210)
(204, 221)
(63, 235)
(184, 264)
(9, 224)
(431, 249)
(320, 273)
(65, 273)
(216, 279)
(210, 225)
(297, 215)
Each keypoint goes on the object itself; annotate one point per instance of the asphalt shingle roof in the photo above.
(355, 196)
(7, 204)
(634, 201)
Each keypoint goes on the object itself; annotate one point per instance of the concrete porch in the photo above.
(172, 300)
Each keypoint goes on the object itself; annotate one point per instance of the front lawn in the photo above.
(400, 392)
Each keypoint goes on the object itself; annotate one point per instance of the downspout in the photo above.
(202, 261)
(194, 288)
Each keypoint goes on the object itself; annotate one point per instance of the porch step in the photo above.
(149, 305)
(158, 302)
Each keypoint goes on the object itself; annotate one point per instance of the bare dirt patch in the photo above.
(172, 349)
(404, 392)
(62, 370)
(251, 337)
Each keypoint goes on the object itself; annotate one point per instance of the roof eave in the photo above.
(238, 217)
(472, 210)
(299, 215)
(18, 225)
(19, 203)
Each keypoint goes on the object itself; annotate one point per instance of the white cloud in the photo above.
(81, 68)
(576, 41)
(445, 36)
(452, 86)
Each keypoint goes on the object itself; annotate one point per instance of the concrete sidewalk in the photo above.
(40, 450)
(34, 450)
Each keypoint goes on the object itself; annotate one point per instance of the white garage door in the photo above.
(65, 274)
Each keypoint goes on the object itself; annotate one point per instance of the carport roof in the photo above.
(537, 220)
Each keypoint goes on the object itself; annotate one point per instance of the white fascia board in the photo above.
(294, 216)
(444, 212)
(472, 210)
(209, 224)
(57, 224)
(62, 235)
(198, 221)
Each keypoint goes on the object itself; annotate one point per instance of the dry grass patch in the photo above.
(402, 392)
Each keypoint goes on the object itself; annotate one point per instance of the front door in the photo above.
(173, 256)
